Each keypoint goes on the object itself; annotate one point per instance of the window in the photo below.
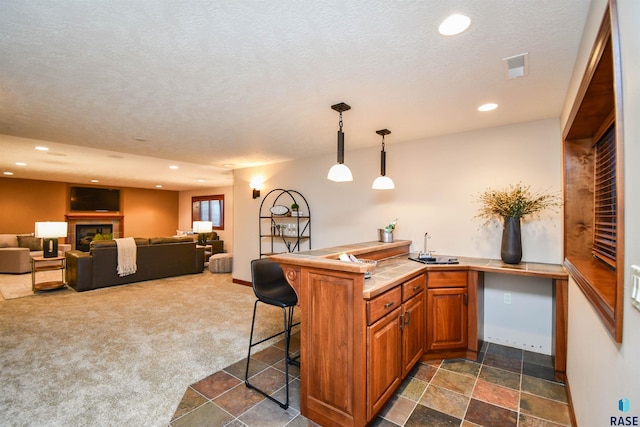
(594, 182)
(209, 208)
(604, 201)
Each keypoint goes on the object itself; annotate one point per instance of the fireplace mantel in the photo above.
(88, 216)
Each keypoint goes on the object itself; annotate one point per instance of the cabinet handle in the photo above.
(465, 299)
(407, 315)
(402, 322)
(389, 304)
(415, 288)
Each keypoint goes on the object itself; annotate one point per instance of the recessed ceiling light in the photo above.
(21, 164)
(158, 186)
(40, 148)
(488, 107)
(7, 173)
(201, 180)
(454, 24)
(94, 180)
(173, 167)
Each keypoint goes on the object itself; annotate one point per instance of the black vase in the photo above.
(511, 250)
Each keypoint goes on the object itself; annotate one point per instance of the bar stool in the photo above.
(270, 287)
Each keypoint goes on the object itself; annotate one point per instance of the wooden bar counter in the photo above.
(360, 337)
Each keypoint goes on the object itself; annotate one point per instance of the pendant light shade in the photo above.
(383, 182)
(340, 172)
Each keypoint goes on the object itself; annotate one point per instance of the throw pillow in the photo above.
(8, 241)
(33, 243)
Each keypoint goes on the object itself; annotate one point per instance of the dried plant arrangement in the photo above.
(516, 201)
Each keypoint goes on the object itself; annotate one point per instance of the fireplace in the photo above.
(92, 221)
(85, 234)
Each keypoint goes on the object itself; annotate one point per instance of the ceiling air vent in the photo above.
(517, 66)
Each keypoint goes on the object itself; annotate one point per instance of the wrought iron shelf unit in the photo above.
(290, 232)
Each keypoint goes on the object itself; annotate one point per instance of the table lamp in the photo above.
(50, 232)
(202, 227)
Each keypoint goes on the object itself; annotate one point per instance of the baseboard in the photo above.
(572, 413)
(241, 282)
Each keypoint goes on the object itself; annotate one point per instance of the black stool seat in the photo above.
(278, 293)
(271, 287)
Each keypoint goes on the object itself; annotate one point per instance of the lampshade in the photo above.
(50, 229)
(340, 172)
(202, 226)
(383, 182)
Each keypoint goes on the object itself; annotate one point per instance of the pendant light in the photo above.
(340, 172)
(383, 182)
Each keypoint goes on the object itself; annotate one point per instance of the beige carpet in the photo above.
(19, 285)
(123, 355)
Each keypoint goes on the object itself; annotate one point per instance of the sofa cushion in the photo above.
(30, 242)
(161, 240)
(141, 241)
(8, 241)
(102, 244)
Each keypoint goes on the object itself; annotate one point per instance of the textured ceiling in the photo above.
(242, 83)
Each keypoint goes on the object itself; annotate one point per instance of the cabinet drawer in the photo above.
(447, 279)
(385, 303)
(413, 287)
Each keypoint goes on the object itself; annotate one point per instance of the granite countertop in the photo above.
(393, 271)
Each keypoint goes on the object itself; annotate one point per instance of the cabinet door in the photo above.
(447, 318)
(414, 331)
(383, 361)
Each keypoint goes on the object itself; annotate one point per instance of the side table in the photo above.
(39, 264)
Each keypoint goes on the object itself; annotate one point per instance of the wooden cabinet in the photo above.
(395, 339)
(384, 364)
(414, 322)
(447, 318)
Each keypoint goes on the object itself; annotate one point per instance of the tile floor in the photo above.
(505, 387)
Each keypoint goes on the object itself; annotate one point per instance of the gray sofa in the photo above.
(16, 251)
(157, 258)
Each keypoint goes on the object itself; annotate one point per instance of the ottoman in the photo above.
(220, 263)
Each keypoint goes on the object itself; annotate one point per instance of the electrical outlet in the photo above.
(635, 291)
(507, 298)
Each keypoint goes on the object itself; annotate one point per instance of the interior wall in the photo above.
(600, 371)
(185, 222)
(437, 183)
(147, 213)
(25, 201)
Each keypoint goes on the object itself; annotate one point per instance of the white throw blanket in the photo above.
(127, 253)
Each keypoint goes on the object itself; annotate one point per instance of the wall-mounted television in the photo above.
(94, 199)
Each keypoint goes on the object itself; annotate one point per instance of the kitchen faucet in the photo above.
(426, 255)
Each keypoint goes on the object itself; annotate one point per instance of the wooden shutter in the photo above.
(605, 208)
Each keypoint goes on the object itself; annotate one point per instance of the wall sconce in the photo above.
(256, 186)
(383, 182)
(50, 232)
(340, 172)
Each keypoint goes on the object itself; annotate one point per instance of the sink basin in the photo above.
(435, 260)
